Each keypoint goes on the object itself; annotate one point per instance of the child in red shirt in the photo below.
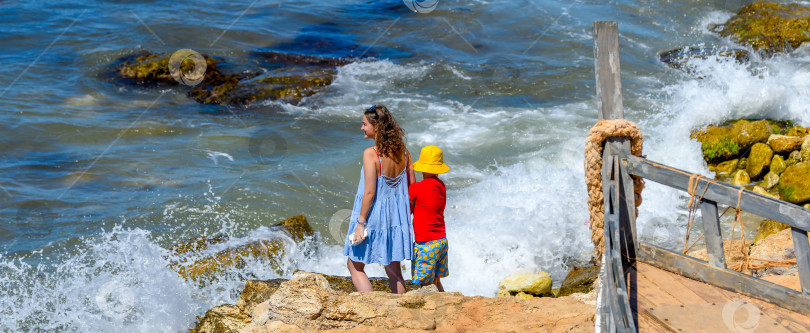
(428, 199)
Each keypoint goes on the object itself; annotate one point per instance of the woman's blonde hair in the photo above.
(390, 137)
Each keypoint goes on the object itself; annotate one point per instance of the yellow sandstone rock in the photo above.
(538, 284)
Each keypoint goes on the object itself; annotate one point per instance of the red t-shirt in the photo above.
(429, 197)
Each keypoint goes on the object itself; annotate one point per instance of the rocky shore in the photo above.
(311, 302)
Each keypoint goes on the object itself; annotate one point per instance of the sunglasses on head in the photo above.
(373, 108)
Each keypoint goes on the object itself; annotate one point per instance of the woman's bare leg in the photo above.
(395, 279)
(359, 277)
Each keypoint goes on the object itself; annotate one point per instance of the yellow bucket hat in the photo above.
(430, 161)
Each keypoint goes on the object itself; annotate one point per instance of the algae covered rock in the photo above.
(727, 167)
(761, 190)
(794, 184)
(579, 280)
(768, 27)
(717, 143)
(798, 131)
(748, 133)
(741, 178)
(805, 152)
(795, 157)
(767, 228)
(778, 165)
(722, 143)
(537, 284)
(283, 76)
(784, 144)
(759, 159)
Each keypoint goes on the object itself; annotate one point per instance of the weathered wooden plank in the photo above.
(726, 194)
(802, 250)
(711, 233)
(666, 282)
(723, 278)
(627, 218)
(607, 69)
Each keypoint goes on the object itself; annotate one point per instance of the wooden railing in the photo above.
(622, 248)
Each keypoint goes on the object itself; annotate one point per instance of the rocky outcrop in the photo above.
(308, 303)
(767, 228)
(526, 285)
(284, 76)
(768, 27)
(680, 58)
(794, 184)
(579, 280)
(192, 262)
(772, 148)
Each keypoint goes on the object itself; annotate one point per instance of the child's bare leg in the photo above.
(438, 283)
(359, 277)
(395, 279)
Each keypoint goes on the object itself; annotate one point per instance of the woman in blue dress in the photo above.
(381, 206)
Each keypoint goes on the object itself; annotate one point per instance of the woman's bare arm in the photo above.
(370, 180)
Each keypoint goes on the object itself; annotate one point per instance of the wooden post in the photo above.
(619, 221)
(609, 95)
(608, 71)
(711, 234)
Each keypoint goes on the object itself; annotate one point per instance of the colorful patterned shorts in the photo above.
(429, 261)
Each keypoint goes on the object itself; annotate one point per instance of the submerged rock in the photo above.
(195, 264)
(768, 27)
(794, 184)
(290, 77)
(679, 58)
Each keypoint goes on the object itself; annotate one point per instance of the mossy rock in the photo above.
(768, 27)
(798, 131)
(778, 164)
(767, 228)
(784, 144)
(579, 280)
(727, 167)
(794, 184)
(741, 178)
(746, 133)
(725, 142)
(795, 157)
(805, 152)
(717, 143)
(759, 160)
(291, 77)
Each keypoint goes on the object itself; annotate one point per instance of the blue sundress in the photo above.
(390, 235)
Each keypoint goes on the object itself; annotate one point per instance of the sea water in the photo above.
(100, 180)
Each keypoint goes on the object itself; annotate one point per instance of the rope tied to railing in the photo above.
(593, 172)
(694, 203)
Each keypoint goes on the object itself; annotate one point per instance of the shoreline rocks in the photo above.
(196, 264)
(768, 27)
(308, 303)
(765, 156)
